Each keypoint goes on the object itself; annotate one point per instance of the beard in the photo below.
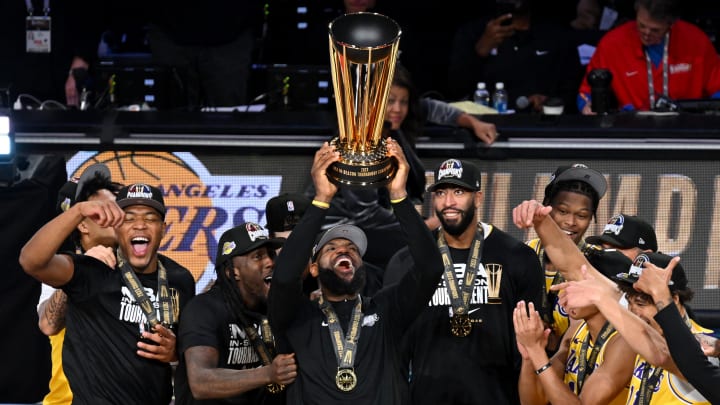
(329, 280)
(467, 218)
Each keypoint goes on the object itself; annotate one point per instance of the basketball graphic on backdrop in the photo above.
(185, 208)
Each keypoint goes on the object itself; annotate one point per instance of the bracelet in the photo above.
(320, 204)
(399, 199)
(543, 368)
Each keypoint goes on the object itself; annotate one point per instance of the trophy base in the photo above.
(362, 170)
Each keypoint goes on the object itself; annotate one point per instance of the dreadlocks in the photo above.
(231, 291)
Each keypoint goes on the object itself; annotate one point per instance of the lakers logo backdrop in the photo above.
(209, 191)
(201, 206)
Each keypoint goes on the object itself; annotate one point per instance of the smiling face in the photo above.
(455, 208)
(339, 267)
(397, 106)
(573, 213)
(253, 273)
(341, 256)
(643, 306)
(139, 237)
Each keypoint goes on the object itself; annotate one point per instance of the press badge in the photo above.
(37, 34)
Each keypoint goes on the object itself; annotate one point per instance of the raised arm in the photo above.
(39, 258)
(561, 250)
(686, 352)
(417, 287)
(286, 288)
(641, 337)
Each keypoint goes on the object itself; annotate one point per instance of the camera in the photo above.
(601, 92)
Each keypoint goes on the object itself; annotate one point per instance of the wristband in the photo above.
(543, 368)
(320, 204)
(398, 200)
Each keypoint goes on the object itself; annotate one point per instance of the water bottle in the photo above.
(481, 96)
(500, 98)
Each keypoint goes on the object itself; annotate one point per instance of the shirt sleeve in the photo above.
(411, 294)
(439, 112)
(286, 291)
(687, 354)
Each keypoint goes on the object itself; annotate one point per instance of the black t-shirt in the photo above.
(103, 327)
(207, 321)
(688, 356)
(302, 328)
(484, 366)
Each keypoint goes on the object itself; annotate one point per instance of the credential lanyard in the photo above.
(648, 63)
(345, 345)
(647, 384)
(548, 297)
(583, 369)
(167, 314)
(460, 295)
(262, 346)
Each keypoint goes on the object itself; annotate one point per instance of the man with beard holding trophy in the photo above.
(462, 348)
(346, 344)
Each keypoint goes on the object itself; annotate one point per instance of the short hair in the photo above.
(91, 186)
(662, 10)
(575, 186)
(684, 295)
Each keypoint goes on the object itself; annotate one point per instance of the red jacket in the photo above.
(694, 65)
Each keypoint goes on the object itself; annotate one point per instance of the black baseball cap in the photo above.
(66, 196)
(609, 262)
(283, 212)
(344, 231)
(92, 171)
(141, 194)
(678, 281)
(457, 173)
(243, 239)
(627, 231)
(577, 172)
(71, 191)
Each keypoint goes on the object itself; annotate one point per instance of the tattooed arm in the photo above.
(51, 313)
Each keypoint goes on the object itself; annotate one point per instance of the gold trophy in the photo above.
(363, 52)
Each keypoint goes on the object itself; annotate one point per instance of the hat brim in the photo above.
(349, 232)
(272, 243)
(592, 177)
(88, 174)
(126, 202)
(609, 262)
(609, 239)
(66, 196)
(631, 279)
(454, 182)
(625, 278)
